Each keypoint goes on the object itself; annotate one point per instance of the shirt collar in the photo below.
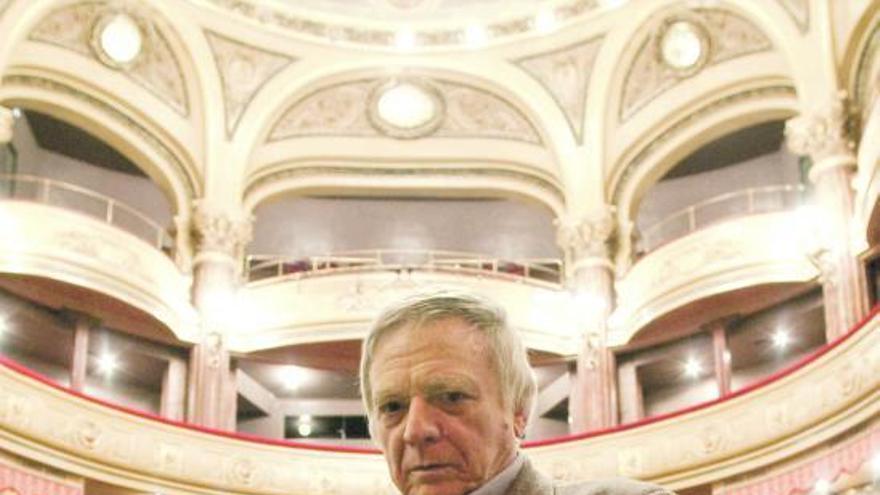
(502, 481)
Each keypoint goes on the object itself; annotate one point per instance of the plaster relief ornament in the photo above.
(337, 110)
(823, 134)
(473, 112)
(125, 40)
(682, 45)
(219, 232)
(244, 70)
(565, 73)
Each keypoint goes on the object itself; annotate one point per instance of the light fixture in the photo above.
(304, 425)
(476, 36)
(875, 466)
(726, 356)
(293, 377)
(16, 112)
(682, 46)
(822, 487)
(405, 39)
(406, 108)
(781, 339)
(107, 364)
(545, 21)
(692, 367)
(4, 325)
(118, 39)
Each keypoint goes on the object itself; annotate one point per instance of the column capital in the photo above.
(218, 232)
(824, 135)
(587, 235)
(7, 121)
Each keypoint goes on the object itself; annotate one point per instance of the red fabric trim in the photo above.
(4, 361)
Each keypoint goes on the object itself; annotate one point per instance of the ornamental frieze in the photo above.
(155, 69)
(727, 36)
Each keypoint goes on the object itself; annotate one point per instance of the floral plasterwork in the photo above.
(342, 110)
(565, 73)
(799, 10)
(156, 69)
(730, 36)
(243, 70)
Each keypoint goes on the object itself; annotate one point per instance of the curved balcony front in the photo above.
(745, 239)
(334, 297)
(713, 441)
(73, 235)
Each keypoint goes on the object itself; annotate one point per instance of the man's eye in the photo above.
(391, 407)
(453, 397)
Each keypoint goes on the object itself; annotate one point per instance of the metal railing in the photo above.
(261, 267)
(726, 206)
(82, 200)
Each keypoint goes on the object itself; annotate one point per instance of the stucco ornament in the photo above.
(822, 134)
(244, 70)
(565, 73)
(725, 36)
(587, 236)
(156, 69)
(220, 232)
(473, 112)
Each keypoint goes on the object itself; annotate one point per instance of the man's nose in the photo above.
(421, 424)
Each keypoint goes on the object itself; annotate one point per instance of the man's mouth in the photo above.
(430, 467)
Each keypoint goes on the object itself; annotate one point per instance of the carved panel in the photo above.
(730, 36)
(156, 68)
(342, 110)
(566, 74)
(799, 10)
(243, 71)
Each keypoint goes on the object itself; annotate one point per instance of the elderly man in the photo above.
(448, 392)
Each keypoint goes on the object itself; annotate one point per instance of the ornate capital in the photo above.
(586, 237)
(218, 232)
(7, 120)
(824, 134)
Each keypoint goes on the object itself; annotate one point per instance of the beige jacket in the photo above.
(530, 482)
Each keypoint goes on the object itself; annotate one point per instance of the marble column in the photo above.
(824, 136)
(219, 240)
(7, 121)
(79, 361)
(590, 278)
(171, 403)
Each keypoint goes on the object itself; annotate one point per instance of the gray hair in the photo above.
(516, 379)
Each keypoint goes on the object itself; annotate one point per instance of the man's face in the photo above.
(437, 413)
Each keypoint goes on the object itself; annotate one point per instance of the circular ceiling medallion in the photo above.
(406, 108)
(117, 39)
(683, 45)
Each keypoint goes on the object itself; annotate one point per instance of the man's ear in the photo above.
(520, 420)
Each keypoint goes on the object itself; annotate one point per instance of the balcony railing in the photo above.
(260, 267)
(77, 198)
(724, 207)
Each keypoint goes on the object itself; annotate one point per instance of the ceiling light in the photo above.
(405, 39)
(781, 339)
(875, 465)
(476, 36)
(304, 425)
(4, 326)
(682, 45)
(107, 364)
(16, 112)
(292, 377)
(726, 356)
(545, 21)
(822, 487)
(692, 367)
(406, 106)
(120, 39)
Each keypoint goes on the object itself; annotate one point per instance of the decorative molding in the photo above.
(190, 180)
(565, 74)
(823, 134)
(730, 36)
(866, 90)
(586, 237)
(218, 232)
(243, 70)
(375, 171)
(342, 110)
(635, 164)
(156, 69)
(355, 33)
(799, 10)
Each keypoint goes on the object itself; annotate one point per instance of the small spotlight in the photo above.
(875, 465)
(405, 39)
(4, 325)
(781, 339)
(292, 377)
(107, 364)
(726, 356)
(121, 39)
(476, 36)
(304, 425)
(692, 367)
(16, 112)
(545, 21)
(822, 487)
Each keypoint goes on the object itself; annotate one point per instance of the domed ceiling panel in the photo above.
(243, 70)
(566, 74)
(155, 69)
(799, 11)
(344, 109)
(728, 36)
